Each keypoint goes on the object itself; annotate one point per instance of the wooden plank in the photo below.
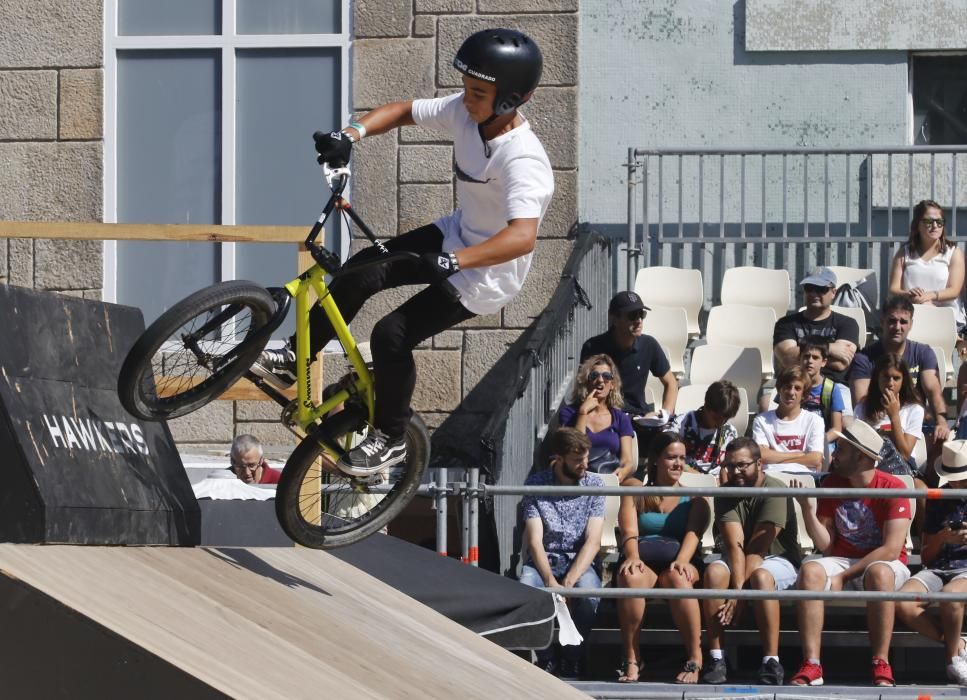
(242, 390)
(210, 233)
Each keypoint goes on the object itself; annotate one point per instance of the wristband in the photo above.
(359, 128)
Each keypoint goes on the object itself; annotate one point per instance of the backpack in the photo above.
(826, 399)
(857, 295)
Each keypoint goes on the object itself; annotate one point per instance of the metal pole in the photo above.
(632, 188)
(440, 504)
(732, 594)
(465, 512)
(474, 493)
(724, 491)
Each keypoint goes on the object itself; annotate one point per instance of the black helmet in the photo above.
(505, 57)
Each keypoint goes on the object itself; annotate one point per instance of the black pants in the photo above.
(429, 312)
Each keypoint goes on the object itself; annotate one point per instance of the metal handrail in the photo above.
(724, 491)
(744, 594)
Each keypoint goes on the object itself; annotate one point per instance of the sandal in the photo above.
(689, 667)
(628, 669)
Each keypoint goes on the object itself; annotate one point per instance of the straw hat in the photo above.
(863, 437)
(953, 463)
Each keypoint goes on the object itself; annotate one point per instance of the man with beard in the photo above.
(862, 541)
(759, 541)
(563, 536)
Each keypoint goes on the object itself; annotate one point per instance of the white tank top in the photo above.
(932, 276)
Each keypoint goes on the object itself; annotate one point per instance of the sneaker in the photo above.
(882, 673)
(375, 453)
(277, 367)
(771, 673)
(716, 672)
(957, 670)
(808, 674)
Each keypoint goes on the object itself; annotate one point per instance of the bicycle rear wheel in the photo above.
(195, 350)
(322, 508)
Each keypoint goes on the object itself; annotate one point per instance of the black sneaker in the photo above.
(277, 367)
(571, 669)
(771, 673)
(716, 672)
(375, 453)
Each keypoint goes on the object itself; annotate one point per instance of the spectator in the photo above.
(921, 361)
(706, 431)
(660, 538)
(929, 268)
(563, 536)
(862, 542)
(943, 551)
(635, 354)
(790, 439)
(759, 541)
(894, 411)
(828, 399)
(248, 463)
(596, 410)
(817, 319)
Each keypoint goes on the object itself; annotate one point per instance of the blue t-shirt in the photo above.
(941, 512)
(918, 356)
(610, 437)
(565, 518)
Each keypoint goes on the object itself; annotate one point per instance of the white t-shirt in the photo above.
(805, 433)
(516, 182)
(911, 420)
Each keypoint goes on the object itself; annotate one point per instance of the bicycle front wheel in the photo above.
(195, 350)
(322, 508)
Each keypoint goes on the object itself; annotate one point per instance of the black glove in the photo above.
(333, 148)
(440, 265)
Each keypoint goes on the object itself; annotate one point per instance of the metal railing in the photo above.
(711, 209)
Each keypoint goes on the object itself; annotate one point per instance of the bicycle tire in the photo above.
(136, 380)
(339, 531)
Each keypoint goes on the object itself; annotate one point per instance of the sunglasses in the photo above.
(606, 376)
(816, 289)
(932, 223)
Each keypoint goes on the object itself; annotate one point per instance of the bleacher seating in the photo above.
(935, 326)
(673, 287)
(744, 326)
(757, 286)
(669, 326)
(741, 366)
(945, 369)
(858, 315)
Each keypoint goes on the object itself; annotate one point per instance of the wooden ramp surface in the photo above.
(275, 623)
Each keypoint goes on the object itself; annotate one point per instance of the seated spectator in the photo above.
(862, 542)
(660, 538)
(817, 320)
(893, 409)
(790, 439)
(929, 268)
(830, 400)
(897, 318)
(635, 354)
(563, 536)
(943, 551)
(706, 431)
(759, 540)
(596, 410)
(248, 463)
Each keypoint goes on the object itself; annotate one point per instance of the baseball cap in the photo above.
(623, 302)
(820, 277)
(863, 437)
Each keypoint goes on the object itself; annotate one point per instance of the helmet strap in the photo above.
(480, 130)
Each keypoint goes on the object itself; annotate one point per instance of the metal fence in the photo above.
(712, 209)
(546, 366)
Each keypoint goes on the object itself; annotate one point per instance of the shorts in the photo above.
(935, 579)
(781, 569)
(837, 565)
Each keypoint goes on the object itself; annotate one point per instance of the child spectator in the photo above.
(790, 439)
(828, 399)
(706, 431)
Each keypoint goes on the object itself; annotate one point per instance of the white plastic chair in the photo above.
(612, 505)
(694, 479)
(657, 391)
(673, 287)
(741, 366)
(934, 326)
(745, 326)
(857, 314)
(669, 326)
(757, 286)
(741, 420)
(805, 541)
(945, 368)
(908, 483)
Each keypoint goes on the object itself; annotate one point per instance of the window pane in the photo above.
(283, 95)
(940, 100)
(288, 16)
(171, 17)
(168, 144)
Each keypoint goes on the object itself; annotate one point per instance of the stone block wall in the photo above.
(51, 139)
(403, 50)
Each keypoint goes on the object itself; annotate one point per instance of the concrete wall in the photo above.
(666, 73)
(51, 138)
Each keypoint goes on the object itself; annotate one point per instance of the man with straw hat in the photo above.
(862, 541)
(943, 550)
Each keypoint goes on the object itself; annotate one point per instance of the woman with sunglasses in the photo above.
(929, 268)
(595, 408)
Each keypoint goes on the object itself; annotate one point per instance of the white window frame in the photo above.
(229, 41)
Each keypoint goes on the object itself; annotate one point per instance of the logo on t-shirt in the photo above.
(793, 443)
(856, 524)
